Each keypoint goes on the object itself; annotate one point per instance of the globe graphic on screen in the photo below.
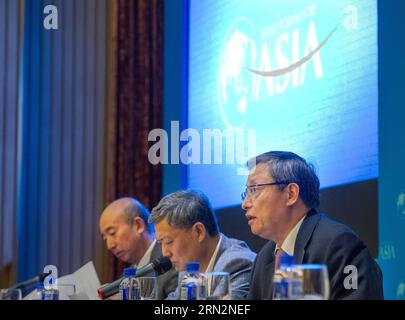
(235, 82)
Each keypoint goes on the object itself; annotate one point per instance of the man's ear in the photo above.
(199, 231)
(293, 194)
(139, 225)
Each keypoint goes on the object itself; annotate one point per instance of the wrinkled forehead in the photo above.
(258, 172)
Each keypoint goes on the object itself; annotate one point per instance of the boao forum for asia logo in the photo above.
(269, 61)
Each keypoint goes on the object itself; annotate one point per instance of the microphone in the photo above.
(30, 284)
(159, 265)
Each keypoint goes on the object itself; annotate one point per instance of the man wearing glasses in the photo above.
(280, 201)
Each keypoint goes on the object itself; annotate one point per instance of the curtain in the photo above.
(135, 105)
(60, 189)
(9, 53)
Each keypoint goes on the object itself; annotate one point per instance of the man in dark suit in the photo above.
(280, 200)
(124, 226)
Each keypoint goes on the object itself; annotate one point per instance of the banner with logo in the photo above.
(293, 75)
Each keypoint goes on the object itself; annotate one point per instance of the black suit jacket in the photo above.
(166, 282)
(321, 240)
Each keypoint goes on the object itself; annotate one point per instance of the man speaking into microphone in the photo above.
(124, 226)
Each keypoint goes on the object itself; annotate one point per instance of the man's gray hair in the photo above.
(184, 208)
(288, 166)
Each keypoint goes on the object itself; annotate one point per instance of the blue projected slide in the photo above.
(302, 74)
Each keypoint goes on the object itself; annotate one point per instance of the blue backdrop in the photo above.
(302, 74)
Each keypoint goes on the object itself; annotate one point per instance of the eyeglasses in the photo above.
(250, 190)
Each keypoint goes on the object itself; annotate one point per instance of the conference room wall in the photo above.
(391, 181)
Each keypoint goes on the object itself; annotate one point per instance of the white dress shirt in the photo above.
(289, 242)
(213, 257)
(146, 257)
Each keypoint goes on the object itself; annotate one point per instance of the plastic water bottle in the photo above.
(39, 291)
(191, 283)
(126, 285)
(286, 282)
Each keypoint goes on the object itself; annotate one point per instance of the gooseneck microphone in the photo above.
(159, 266)
(30, 284)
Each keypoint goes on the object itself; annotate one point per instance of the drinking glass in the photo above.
(215, 286)
(66, 291)
(314, 281)
(10, 294)
(147, 288)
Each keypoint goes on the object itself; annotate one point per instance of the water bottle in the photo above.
(126, 285)
(286, 282)
(191, 282)
(39, 291)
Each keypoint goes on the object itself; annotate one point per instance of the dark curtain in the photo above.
(135, 105)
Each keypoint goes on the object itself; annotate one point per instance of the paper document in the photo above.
(80, 285)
